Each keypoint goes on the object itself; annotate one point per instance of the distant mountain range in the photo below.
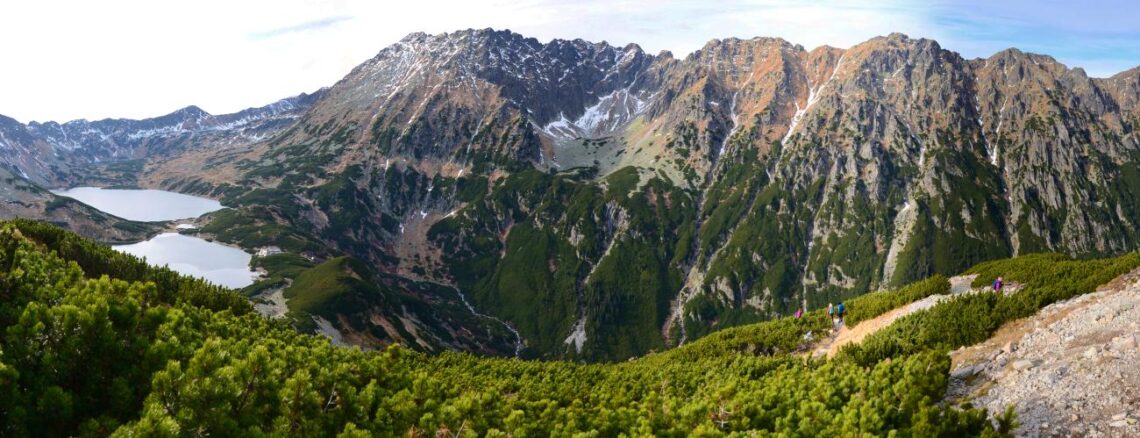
(606, 202)
(48, 152)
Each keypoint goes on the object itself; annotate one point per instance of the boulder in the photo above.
(963, 372)
(1123, 343)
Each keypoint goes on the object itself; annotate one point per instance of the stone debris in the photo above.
(1074, 370)
(963, 372)
(1124, 343)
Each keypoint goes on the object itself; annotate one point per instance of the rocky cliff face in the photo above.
(607, 202)
(1064, 146)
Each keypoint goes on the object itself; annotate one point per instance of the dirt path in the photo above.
(845, 335)
(1071, 370)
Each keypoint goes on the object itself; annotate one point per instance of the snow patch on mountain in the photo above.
(813, 97)
(577, 337)
(609, 114)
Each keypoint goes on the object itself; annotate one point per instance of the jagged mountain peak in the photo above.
(897, 36)
(192, 111)
(184, 117)
(1126, 88)
(1016, 58)
(900, 45)
(756, 40)
(722, 46)
(1132, 74)
(414, 36)
(483, 71)
(632, 47)
(898, 39)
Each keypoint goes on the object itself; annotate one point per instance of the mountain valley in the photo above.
(483, 191)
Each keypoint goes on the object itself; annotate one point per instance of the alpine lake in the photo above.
(212, 261)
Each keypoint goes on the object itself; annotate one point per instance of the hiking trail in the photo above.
(1071, 369)
(844, 335)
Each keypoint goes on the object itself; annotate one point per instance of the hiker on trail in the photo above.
(997, 285)
(799, 312)
(842, 310)
(831, 312)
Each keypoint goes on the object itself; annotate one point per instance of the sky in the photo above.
(64, 60)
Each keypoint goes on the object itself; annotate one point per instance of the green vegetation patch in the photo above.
(868, 306)
(542, 250)
(314, 291)
(100, 356)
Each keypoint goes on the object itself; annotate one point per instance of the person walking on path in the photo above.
(997, 285)
(842, 310)
(831, 313)
(799, 312)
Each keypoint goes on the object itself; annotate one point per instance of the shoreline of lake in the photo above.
(215, 262)
(191, 255)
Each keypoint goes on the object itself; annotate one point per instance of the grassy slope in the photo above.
(314, 290)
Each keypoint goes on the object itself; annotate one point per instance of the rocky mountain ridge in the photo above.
(607, 202)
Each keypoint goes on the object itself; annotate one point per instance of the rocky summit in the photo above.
(586, 201)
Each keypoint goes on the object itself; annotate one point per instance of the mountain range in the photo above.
(54, 153)
(602, 202)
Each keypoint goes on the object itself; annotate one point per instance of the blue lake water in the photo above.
(142, 205)
(214, 262)
(196, 257)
